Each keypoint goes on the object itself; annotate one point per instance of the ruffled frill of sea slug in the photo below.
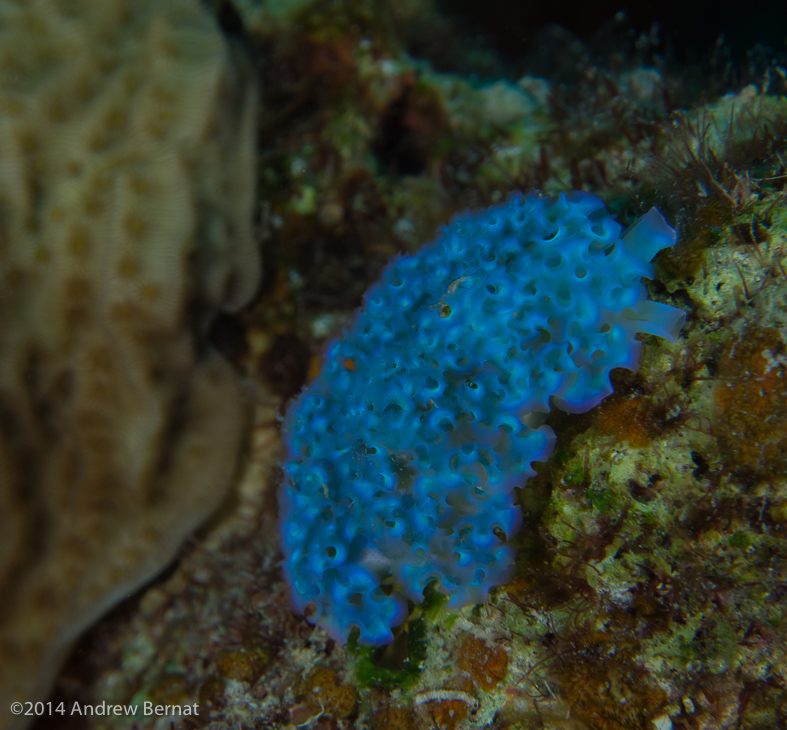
(403, 454)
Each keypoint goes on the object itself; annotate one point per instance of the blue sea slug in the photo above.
(403, 454)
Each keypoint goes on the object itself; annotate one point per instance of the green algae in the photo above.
(380, 668)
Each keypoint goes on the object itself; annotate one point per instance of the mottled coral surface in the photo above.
(126, 190)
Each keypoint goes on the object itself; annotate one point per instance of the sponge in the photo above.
(403, 454)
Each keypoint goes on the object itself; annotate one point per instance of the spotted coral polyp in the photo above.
(400, 469)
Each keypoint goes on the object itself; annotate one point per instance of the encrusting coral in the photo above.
(126, 193)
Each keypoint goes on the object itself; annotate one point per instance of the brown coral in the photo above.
(239, 666)
(605, 685)
(628, 419)
(322, 691)
(751, 404)
(126, 192)
(392, 717)
(487, 665)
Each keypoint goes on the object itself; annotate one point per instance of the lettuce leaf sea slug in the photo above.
(403, 454)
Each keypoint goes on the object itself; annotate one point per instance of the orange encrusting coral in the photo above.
(448, 714)
(628, 419)
(751, 404)
(609, 697)
(322, 692)
(485, 664)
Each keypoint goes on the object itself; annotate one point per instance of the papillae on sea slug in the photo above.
(403, 454)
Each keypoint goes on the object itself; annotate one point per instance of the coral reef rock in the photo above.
(126, 194)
